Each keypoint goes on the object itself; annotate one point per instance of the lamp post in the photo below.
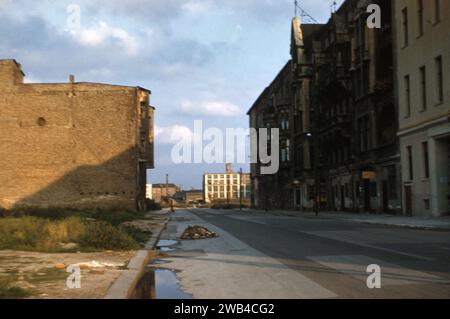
(240, 189)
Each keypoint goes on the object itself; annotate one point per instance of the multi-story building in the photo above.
(422, 53)
(73, 145)
(376, 147)
(359, 158)
(342, 115)
(228, 187)
(273, 109)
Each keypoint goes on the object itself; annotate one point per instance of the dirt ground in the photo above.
(44, 276)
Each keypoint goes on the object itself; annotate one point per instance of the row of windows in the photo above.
(222, 177)
(420, 18)
(422, 83)
(222, 189)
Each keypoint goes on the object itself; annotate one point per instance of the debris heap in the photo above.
(197, 232)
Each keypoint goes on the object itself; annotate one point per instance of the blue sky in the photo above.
(202, 59)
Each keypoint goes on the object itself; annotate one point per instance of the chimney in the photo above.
(72, 78)
(229, 169)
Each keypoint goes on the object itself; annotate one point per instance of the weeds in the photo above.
(38, 234)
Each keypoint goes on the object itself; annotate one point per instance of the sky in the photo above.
(202, 59)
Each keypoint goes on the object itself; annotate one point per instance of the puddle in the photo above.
(160, 284)
(167, 285)
(164, 245)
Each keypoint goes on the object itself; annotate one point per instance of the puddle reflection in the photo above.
(160, 284)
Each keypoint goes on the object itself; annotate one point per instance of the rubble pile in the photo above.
(197, 232)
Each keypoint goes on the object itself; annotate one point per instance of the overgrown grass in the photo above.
(40, 234)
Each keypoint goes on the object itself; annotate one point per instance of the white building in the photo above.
(422, 30)
(226, 187)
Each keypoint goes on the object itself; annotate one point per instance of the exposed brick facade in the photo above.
(75, 145)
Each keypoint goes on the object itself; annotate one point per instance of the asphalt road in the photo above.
(268, 256)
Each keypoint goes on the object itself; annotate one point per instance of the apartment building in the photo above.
(336, 96)
(228, 187)
(422, 54)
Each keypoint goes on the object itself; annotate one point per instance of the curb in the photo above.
(361, 221)
(124, 286)
(407, 226)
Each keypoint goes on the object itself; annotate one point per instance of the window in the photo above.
(437, 11)
(423, 87)
(288, 150)
(283, 155)
(439, 80)
(405, 26)
(420, 17)
(410, 162)
(407, 96)
(426, 160)
(427, 204)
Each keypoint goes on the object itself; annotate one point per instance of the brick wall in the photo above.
(73, 145)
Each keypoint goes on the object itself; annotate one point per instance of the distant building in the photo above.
(422, 30)
(164, 192)
(226, 187)
(73, 145)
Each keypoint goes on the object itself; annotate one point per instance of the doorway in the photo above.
(408, 200)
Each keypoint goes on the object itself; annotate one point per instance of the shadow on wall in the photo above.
(114, 184)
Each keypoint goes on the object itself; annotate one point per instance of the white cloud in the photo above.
(209, 108)
(100, 34)
(173, 134)
(30, 78)
(197, 7)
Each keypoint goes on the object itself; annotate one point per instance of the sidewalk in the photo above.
(429, 223)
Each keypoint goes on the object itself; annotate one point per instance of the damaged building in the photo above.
(73, 145)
